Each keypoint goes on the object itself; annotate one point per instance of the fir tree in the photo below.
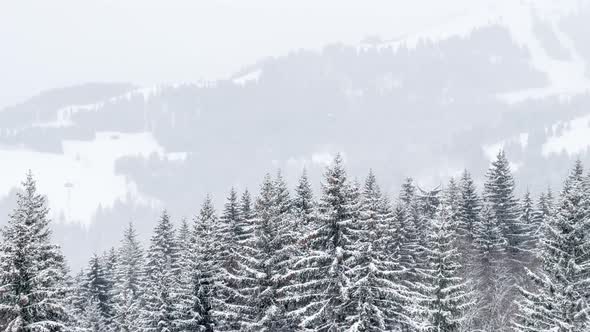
(543, 211)
(491, 277)
(273, 248)
(469, 210)
(376, 300)
(33, 292)
(402, 244)
(98, 291)
(161, 288)
(406, 220)
(93, 319)
(559, 302)
(408, 192)
(303, 202)
(78, 303)
(130, 279)
(204, 266)
(233, 309)
(186, 317)
(469, 213)
(528, 224)
(499, 194)
(322, 284)
(447, 297)
(452, 199)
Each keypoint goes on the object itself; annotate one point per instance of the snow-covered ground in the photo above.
(83, 177)
(250, 77)
(575, 137)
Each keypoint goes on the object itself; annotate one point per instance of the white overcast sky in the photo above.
(46, 44)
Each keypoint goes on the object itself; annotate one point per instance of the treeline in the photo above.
(448, 259)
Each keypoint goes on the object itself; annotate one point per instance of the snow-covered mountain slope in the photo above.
(534, 25)
(83, 177)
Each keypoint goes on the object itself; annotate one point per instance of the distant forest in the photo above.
(455, 258)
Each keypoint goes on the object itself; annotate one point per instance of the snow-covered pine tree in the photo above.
(229, 230)
(236, 282)
(491, 277)
(527, 222)
(129, 282)
(186, 318)
(406, 219)
(109, 262)
(499, 195)
(376, 298)
(161, 270)
(204, 265)
(541, 214)
(321, 288)
(281, 196)
(184, 241)
(272, 250)
(98, 291)
(469, 212)
(452, 199)
(303, 202)
(447, 295)
(77, 302)
(559, 302)
(428, 203)
(401, 247)
(246, 210)
(469, 209)
(93, 320)
(407, 194)
(33, 292)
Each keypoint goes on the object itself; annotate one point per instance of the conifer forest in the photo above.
(347, 257)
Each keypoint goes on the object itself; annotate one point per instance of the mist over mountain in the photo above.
(426, 106)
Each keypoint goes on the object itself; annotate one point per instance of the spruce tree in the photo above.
(559, 301)
(499, 194)
(98, 291)
(78, 302)
(491, 277)
(204, 265)
(236, 282)
(528, 224)
(129, 282)
(303, 202)
(452, 199)
(407, 194)
(406, 220)
(272, 250)
(186, 317)
(469, 211)
(321, 290)
(447, 295)
(161, 271)
(376, 297)
(93, 319)
(33, 289)
(543, 211)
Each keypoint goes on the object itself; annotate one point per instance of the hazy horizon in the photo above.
(66, 42)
